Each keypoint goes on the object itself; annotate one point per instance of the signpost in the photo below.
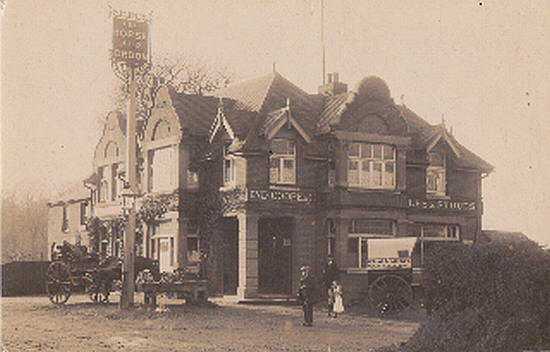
(131, 52)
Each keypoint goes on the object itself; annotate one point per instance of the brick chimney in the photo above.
(333, 86)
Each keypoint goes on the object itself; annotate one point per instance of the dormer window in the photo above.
(371, 166)
(436, 174)
(282, 161)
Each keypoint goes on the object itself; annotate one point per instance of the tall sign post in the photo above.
(129, 57)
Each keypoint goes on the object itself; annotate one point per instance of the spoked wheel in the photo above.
(58, 283)
(389, 295)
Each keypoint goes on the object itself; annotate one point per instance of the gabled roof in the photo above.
(269, 93)
(275, 120)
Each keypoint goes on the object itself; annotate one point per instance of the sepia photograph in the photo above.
(275, 175)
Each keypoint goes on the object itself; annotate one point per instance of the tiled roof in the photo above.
(268, 93)
(195, 112)
(423, 132)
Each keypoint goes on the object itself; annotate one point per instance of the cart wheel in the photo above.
(58, 283)
(389, 295)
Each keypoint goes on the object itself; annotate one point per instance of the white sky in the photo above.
(485, 65)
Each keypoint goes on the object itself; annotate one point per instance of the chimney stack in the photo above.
(333, 86)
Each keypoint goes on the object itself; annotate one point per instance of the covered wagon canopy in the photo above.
(390, 253)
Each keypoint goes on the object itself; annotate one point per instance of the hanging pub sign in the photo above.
(442, 204)
(130, 38)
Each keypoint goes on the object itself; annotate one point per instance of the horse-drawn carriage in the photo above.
(73, 269)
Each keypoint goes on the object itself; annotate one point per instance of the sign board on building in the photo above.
(442, 204)
(130, 38)
(281, 195)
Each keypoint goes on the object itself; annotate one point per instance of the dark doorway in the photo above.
(275, 255)
(230, 261)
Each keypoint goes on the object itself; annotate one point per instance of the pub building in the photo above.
(310, 176)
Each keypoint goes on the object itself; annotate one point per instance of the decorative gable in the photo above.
(112, 143)
(164, 122)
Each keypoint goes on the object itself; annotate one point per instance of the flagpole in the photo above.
(323, 37)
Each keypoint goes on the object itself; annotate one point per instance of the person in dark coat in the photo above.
(306, 295)
(330, 274)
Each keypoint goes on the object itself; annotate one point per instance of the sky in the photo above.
(483, 66)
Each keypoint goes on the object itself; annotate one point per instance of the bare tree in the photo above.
(24, 228)
(185, 74)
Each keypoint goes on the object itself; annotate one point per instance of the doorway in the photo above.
(275, 255)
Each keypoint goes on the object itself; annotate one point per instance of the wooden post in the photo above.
(128, 267)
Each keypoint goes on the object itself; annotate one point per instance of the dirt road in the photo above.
(33, 324)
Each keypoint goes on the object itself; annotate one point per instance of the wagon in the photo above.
(393, 282)
(73, 269)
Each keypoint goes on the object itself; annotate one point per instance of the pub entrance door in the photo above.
(275, 255)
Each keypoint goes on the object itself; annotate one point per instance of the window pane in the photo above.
(365, 173)
(274, 170)
(388, 152)
(377, 174)
(290, 147)
(389, 176)
(354, 149)
(377, 151)
(227, 171)
(375, 227)
(366, 151)
(353, 172)
(193, 249)
(288, 171)
(434, 230)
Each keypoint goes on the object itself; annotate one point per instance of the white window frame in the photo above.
(438, 172)
(278, 177)
(365, 158)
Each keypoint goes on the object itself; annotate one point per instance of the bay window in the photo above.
(436, 174)
(282, 161)
(371, 166)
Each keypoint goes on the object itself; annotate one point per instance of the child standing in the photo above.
(338, 299)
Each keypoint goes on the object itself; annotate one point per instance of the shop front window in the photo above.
(436, 175)
(282, 161)
(371, 166)
(359, 231)
(437, 231)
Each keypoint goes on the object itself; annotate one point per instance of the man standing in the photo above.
(306, 295)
